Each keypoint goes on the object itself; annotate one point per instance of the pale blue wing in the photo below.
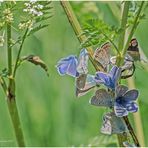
(131, 95)
(67, 66)
(120, 111)
(132, 107)
(102, 78)
(101, 98)
(115, 73)
(82, 67)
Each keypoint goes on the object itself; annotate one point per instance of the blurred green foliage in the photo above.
(50, 113)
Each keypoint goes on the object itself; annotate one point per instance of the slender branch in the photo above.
(19, 52)
(9, 49)
(133, 29)
(4, 86)
(137, 116)
(123, 25)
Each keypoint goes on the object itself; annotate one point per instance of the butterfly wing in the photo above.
(80, 81)
(89, 84)
(102, 55)
(106, 126)
(121, 90)
(67, 66)
(83, 62)
(131, 95)
(120, 111)
(101, 98)
(118, 124)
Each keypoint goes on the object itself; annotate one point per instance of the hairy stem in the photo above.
(11, 102)
(19, 52)
(123, 25)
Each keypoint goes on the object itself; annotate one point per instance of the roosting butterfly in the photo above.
(109, 79)
(73, 66)
(102, 98)
(133, 50)
(125, 101)
(113, 124)
(102, 56)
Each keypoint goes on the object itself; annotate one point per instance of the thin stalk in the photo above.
(123, 25)
(19, 52)
(137, 116)
(9, 49)
(11, 102)
(133, 29)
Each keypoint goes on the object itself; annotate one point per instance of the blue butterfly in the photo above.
(125, 101)
(73, 66)
(109, 79)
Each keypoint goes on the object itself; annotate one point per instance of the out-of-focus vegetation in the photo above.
(50, 113)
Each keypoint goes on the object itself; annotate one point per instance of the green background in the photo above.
(50, 113)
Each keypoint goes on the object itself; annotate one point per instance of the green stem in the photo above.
(9, 49)
(133, 29)
(11, 102)
(123, 25)
(19, 52)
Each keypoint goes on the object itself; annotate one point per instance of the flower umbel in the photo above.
(125, 101)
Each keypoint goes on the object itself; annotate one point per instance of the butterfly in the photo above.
(101, 98)
(125, 101)
(89, 84)
(113, 124)
(133, 50)
(102, 56)
(73, 66)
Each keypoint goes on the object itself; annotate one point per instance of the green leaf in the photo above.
(39, 27)
(36, 61)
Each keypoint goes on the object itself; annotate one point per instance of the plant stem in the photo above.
(9, 49)
(137, 116)
(19, 52)
(133, 29)
(11, 102)
(123, 25)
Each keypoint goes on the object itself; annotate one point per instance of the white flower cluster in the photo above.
(7, 15)
(33, 8)
(24, 25)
